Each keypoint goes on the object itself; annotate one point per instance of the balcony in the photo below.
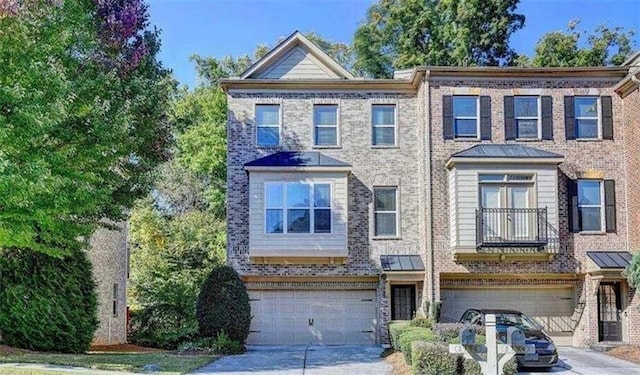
(512, 227)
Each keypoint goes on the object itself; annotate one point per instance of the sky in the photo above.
(235, 27)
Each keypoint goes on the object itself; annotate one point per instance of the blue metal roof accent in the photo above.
(505, 151)
(297, 159)
(401, 263)
(610, 259)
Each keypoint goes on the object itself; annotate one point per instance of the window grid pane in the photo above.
(268, 136)
(590, 205)
(527, 128)
(326, 136)
(325, 115)
(298, 221)
(465, 107)
(385, 211)
(466, 127)
(308, 206)
(383, 135)
(268, 114)
(383, 114)
(526, 107)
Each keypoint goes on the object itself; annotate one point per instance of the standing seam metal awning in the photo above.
(401, 263)
(610, 259)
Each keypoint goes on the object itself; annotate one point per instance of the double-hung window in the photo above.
(587, 119)
(590, 207)
(527, 116)
(466, 117)
(325, 121)
(114, 301)
(297, 207)
(268, 125)
(385, 211)
(383, 121)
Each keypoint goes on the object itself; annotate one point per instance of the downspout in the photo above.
(429, 201)
(635, 80)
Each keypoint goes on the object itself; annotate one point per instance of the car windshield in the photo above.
(517, 320)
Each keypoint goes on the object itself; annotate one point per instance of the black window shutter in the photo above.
(509, 119)
(447, 116)
(574, 215)
(485, 117)
(547, 118)
(610, 205)
(569, 117)
(607, 117)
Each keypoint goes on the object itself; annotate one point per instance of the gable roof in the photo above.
(296, 160)
(505, 151)
(283, 48)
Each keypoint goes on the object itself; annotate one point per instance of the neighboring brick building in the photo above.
(109, 255)
(355, 201)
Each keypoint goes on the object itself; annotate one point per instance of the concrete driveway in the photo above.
(301, 360)
(588, 362)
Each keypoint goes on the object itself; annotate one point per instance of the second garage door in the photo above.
(319, 317)
(553, 307)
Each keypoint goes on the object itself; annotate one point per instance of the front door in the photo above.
(508, 217)
(609, 308)
(403, 302)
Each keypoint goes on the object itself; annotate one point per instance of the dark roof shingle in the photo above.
(504, 151)
(297, 159)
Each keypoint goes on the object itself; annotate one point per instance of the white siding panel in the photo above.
(453, 208)
(467, 194)
(296, 64)
(329, 244)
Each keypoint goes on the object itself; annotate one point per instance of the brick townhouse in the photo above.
(355, 201)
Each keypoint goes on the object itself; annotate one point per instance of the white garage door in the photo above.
(552, 307)
(319, 317)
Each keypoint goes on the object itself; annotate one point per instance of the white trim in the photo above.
(477, 118)
(336, 126)
(394, 126)
(293, 40)
(538, 118)
(603, 219)
(397, 234)
(279, 126)
(480, 160)
(285, 207)
(345, 169)
(598, 117)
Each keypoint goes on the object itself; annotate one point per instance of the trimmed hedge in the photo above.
(431, 358)
(223, 305)
(411, 334)
(395, 329)
(47, 303)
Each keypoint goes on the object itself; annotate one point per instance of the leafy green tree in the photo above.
(406, 33)
(170, 259)
(82, 118)
(633, 272)
(574, 47)
(47, 303)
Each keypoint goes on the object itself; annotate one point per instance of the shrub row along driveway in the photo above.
(300, 360)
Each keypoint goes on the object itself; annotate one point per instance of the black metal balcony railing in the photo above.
(511, 227)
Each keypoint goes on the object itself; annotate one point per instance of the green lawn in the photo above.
(169, 363)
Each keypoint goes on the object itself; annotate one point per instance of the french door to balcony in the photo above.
(505, 214)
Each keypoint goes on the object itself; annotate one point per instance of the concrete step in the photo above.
(604, 346)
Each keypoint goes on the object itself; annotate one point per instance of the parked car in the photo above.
(546, 354)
